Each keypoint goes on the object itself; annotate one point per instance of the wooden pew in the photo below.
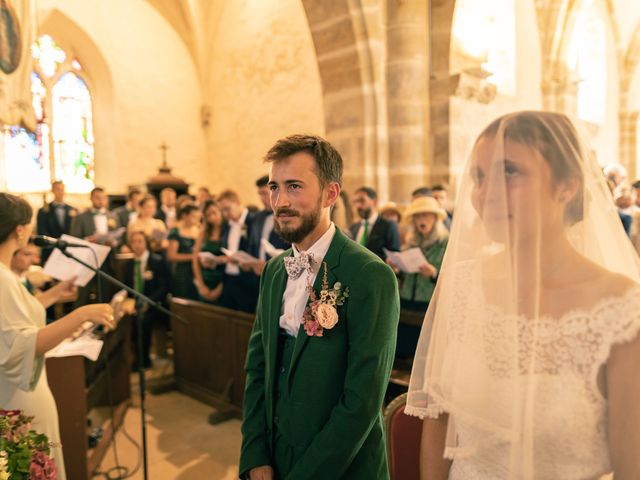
(79, 385)
(209, 355)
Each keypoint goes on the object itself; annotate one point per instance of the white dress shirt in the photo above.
(372, 219)
(101, 222)
(170, 215)
(295, 297)
(144, 259)
(267, 228)
(233, 241)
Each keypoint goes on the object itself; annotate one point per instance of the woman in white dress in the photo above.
(24, 338)
(527, 365)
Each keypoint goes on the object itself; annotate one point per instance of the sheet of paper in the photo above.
(209, 260)
(270, 249)
(61, 267)
(407, 261)
(85, 345)
(159, 235)
(239, 256)
(112, 236)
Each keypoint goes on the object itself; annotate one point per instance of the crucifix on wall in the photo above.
(164, 147)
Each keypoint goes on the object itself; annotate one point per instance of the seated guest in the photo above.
(129, 211)
(22, 261)
(182, 238)
(167, 210)
(262, 228)
(24, 337)
(153, 228)
(440, 193)
(240, 290)
(54, 219)
(373, 231)
(429, 234)
(208, 274)
(149, 275)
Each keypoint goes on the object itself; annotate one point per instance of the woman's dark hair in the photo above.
(208, 228)
(186, 210)
(148, 197)
(14, 211)
(555, 137)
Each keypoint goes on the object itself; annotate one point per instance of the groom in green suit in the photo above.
(323, 342)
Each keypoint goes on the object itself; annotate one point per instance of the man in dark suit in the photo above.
(94, 225)
(373, 231)
(167, 211)
(240, 288)
(128, 211)
(148, 274)
(263, 228)
(54, 219)
(314, 390)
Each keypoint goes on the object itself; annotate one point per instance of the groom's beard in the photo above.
(309, 222)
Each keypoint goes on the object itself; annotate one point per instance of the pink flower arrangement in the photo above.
(24, 453)
(321, 313)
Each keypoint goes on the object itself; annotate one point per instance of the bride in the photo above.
(527, 366)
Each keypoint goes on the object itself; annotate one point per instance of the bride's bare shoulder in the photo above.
(606, 282)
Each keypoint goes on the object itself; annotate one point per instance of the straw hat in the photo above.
(425, 205)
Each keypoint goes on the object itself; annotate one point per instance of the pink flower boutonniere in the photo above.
(321, 312)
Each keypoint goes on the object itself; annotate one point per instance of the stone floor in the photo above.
(181, 444)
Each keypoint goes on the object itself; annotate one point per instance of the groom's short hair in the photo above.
(328, 160)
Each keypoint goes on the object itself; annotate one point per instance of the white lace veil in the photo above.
(534, 232)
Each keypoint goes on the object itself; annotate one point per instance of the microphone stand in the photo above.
(139, 297)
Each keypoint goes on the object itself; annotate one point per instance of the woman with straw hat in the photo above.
(428, 233)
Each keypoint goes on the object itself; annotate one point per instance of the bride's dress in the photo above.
(569, 410)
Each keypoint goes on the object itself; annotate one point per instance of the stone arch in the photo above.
(97, 74)
(350, 87)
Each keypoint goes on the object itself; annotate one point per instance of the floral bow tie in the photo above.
(296, 265)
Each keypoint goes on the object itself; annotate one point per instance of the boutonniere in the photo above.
(111, 223)
(244, 230)
(322, 311)
(147, 275)
(73, 212)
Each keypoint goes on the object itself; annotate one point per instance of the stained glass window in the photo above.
(62, 146)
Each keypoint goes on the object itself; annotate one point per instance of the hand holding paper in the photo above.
(408, 261)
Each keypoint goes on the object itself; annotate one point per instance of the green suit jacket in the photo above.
(336, 382)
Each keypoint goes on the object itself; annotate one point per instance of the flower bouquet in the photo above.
(24, 453)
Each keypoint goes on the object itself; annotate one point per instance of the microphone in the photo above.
(44, 241)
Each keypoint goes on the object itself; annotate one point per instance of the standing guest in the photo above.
(636, 187)
(148, 274)
(615, 173)
(240, 290)
(96, 222)
(430, 235)
(314, 390)
(153, 228)
(167, 210)
(129, 211)
(208, 275)
(441, 194)
(54, 219)
(183, 200)
(182, 238)
(373, 231)
(263, 228)
(21, 262)
(421, 192)
(203, 196)
(24, 338)
(342, 213)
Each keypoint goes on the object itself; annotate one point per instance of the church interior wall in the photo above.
(263, 84)
(155, 94)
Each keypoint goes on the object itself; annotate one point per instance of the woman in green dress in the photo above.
(208, 271)
(429, 234)
(180, 253)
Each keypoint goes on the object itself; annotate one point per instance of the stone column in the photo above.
(407, 96)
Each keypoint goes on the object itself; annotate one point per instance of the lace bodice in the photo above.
(558, 363)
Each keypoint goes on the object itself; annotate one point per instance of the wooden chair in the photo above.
(404, 434)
